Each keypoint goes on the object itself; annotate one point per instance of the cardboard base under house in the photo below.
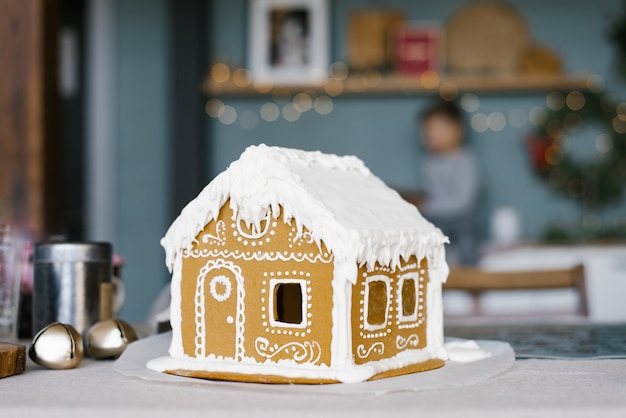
(275, 379)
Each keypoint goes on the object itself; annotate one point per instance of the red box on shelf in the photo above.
(417, 49)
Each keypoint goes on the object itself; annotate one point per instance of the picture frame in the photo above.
(288, 41)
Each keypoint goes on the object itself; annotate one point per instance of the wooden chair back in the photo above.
(477, 281)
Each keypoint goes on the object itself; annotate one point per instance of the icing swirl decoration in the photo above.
(377, 347)
(220, 288)
(402, 343)
(304, 238)
(307, 352)
(219, 237)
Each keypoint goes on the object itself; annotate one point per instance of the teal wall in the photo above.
(381, 130)
(143, 141)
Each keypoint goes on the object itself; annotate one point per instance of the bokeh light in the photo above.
(220, 72)
(595, 83)
(621, 111)
(339, 70)
(242, 77)
(553, 155)
(448, 91)
(323, 105)
(619, 125)
(538, 115)
(263, 84)
(496, 121)
(479, 122)
(555, 100)
(604, 143)
(214, 108)
(302, 102)
(429, 79)
(575, 100)
(470, 102)
(228, 116)
(290, 113)
(333, 87)
(270, 112)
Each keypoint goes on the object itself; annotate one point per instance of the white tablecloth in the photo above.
(535, 388)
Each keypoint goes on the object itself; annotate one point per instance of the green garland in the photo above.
(617, 34)
(595, 183)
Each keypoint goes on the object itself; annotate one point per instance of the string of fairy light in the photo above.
(290, 103)
(283, 104)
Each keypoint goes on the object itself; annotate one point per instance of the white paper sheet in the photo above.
(453, 375)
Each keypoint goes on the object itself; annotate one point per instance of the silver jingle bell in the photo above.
(57, 346)
(108, 338)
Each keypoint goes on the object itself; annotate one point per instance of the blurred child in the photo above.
(451, 182)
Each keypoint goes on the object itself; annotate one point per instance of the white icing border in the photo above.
(272, 307)
(368, 280)
(200, 318)
(347, 374)
(400, 300)
(258, 255)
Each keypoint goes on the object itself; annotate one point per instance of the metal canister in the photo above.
(67, 280)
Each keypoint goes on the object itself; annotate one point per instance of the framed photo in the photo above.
(288, 41)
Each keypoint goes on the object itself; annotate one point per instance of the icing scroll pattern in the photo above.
(255, 233)
(220, 235)
(377, 347)
(303, 239)
(402, 343)
(308, 352)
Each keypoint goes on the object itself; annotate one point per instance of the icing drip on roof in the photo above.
(337, 199)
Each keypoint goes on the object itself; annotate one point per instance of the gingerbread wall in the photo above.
(396, 330)
(229, 291)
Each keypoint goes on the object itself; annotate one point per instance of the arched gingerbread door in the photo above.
(219, 310)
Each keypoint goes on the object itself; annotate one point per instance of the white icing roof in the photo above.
(338, 199)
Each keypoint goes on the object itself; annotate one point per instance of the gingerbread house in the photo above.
(294, 266)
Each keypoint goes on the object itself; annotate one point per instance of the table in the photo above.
(555, 340)
(537, 388)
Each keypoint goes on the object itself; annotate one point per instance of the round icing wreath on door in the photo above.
(220, 288)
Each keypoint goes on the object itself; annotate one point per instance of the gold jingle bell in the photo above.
(109, 338)
(57, 346)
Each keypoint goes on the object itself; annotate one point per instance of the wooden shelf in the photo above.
(375, 85)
